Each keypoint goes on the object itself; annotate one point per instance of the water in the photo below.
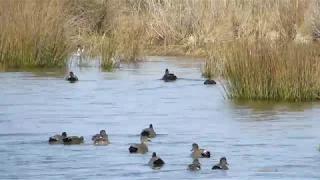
(252, 136)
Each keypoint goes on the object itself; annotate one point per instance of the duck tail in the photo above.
(133, 149)
(216, 167)
(158, 162)
(206, 154)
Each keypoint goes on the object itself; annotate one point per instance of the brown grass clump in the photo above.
(32, 34)
(263, 71)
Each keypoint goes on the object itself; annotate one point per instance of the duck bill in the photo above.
(149, 140)
(191, 150)
(227, 164)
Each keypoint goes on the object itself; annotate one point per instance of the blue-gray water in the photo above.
(34, 106)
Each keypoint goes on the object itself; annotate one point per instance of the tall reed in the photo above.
(33, 33)
(262, 71)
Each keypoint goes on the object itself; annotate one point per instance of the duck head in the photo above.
(150, 126)
(154, 154)
(223, 161)
(166, 72)
(64, 134)
(71, 73)
(195, 146)
(103, 132)
(145, 139)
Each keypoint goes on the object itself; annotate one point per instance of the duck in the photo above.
(57, 139)
(209, 82)
(149, 132)
(195, 166)
(169, 76)
(71, 78)
(222, 165)
(100, 141)
(199, 153)
(155, 161)
(73, 140)
(102, 134)
(140, 148)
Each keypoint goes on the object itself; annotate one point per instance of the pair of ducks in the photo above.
(203, 153)
(72, 78)
(171, 77)
(196, 165)
(64, 139)
(155, 161)
(100, 139)
(144, 137)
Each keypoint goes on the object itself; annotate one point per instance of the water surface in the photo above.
(36, 105)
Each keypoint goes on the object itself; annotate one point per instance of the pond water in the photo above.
(253, 136)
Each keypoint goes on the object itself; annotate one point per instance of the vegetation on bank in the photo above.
(262, 49)
(263, 71)
(32, 34)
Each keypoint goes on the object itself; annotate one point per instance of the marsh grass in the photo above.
(32, 34)
(259, 70)
(108, 49)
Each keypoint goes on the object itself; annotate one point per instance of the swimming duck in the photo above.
(102, 134)
(155, 161)
(73, 140)
(199, 153)
(209, 81)
(140, 148)
(169, 76)
(71, 78)
(195, 165)
(57, 139)
(222, 164)
(100, 141)
(148, 132)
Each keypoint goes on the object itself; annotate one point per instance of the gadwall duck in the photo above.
(72, 78)
(73, 140)
(199, 153)
(155, 161)
(140, 148)
(101, 141)
(102, 134)
(209, 82)
(57, 139)
(222, 164)
(169, 76)
(195, 165)
(149, 132)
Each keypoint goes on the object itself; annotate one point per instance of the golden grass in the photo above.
(262, 71)
(32, 34)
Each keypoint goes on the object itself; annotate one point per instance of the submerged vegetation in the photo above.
(262, 49)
